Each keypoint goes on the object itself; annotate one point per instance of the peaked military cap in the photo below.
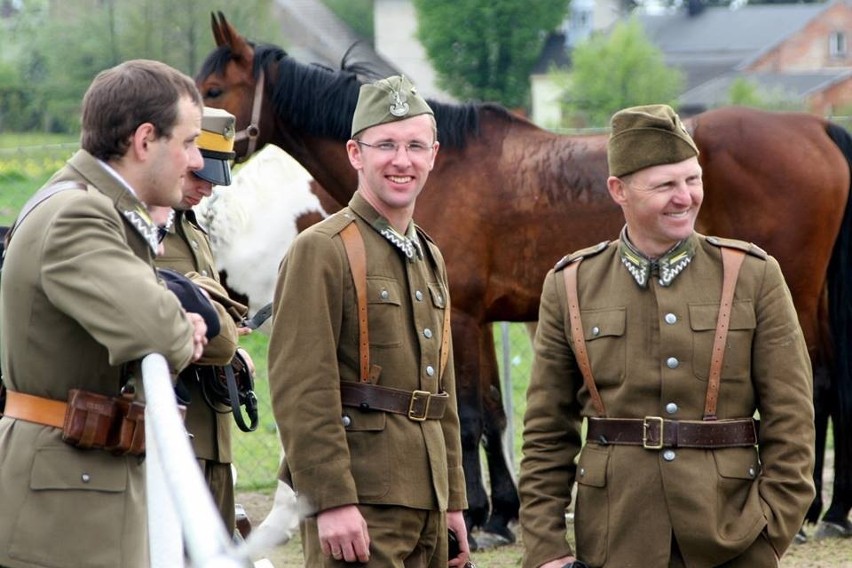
(387, 100)
(646, 136)
(216, 142)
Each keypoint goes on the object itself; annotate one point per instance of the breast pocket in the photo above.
(736, 363)
(384, 312)
(606, 343)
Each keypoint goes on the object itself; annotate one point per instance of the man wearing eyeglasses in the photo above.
(360, 362)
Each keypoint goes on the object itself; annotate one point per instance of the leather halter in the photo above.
(252, 131)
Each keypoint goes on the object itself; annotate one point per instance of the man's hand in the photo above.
(455, 523)
(559, 562)
(247, 358)
(343, 534)
(199, 334)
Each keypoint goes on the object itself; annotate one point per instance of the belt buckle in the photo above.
(415, 396)
(646, 425)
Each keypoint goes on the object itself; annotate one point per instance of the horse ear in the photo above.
(217, 29)
(226, 34)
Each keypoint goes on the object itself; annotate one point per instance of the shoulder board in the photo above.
(424, 234)
(749, 248)
(582, 253)
(337, 221)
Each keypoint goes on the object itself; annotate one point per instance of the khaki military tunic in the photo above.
(187, 250)
(343, 455)
(650, 353)
(79, 302)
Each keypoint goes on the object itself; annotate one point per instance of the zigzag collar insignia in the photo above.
(409, 243)
(667, 267)
(144, 225)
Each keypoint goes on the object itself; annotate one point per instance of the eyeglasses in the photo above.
(389, 147)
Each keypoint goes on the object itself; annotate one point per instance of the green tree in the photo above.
(614, 71)
(57, 47)
(486, 49)
(744, 92)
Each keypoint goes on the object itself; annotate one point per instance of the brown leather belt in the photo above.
(44, 411)
(417, 405)
(655, 432)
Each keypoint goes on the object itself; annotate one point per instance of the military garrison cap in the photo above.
(387, 100)
(216, 143)
(646, 136)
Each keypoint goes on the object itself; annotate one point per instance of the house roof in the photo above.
(794, 86)
(314, 34)
(720, 38)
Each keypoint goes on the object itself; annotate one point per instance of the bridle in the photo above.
(252, 131)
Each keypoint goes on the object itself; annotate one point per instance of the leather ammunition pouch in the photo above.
(88, 420)
(229, 389)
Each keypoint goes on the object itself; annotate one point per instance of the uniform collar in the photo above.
(666, 268)
(106, 180)
(409, 243)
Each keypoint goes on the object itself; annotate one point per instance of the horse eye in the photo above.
(212, 93)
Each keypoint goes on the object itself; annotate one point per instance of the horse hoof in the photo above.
(801, 537)
(486, 540)
(828, 529)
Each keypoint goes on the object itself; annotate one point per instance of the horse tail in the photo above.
(840, 322)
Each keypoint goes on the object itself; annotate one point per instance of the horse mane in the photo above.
(321, 101)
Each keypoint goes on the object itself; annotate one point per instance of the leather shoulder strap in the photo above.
(353, 242)
(732, 260)
(570, 276)
(40, 196)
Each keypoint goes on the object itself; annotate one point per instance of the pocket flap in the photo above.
(603, 323)
(382, 291)
(69, 468)
(737, 463)
(439, 295)
(704, 316)
(591, 468)
(364, 420)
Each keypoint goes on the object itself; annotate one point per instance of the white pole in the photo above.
(177, 471)
(509, 438)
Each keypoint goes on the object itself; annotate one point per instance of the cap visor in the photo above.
(217, 172)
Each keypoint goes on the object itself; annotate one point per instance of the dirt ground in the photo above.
(813, 554)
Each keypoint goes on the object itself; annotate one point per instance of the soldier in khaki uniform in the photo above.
(80, 305)
(186, 249)
(673, 471)
(371, 436)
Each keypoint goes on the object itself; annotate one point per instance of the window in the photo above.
(837, 44)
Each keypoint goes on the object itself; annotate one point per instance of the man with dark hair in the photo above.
(668, 343)
(186, 249)
(80, 306)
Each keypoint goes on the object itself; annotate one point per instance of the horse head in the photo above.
(230, 79)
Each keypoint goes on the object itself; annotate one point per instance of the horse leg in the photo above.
(835, 523)
(822, 410)
(505, 502)
(469, 397)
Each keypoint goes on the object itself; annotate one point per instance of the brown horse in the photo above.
(507, 199)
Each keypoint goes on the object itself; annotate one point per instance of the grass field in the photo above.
(26, 162)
